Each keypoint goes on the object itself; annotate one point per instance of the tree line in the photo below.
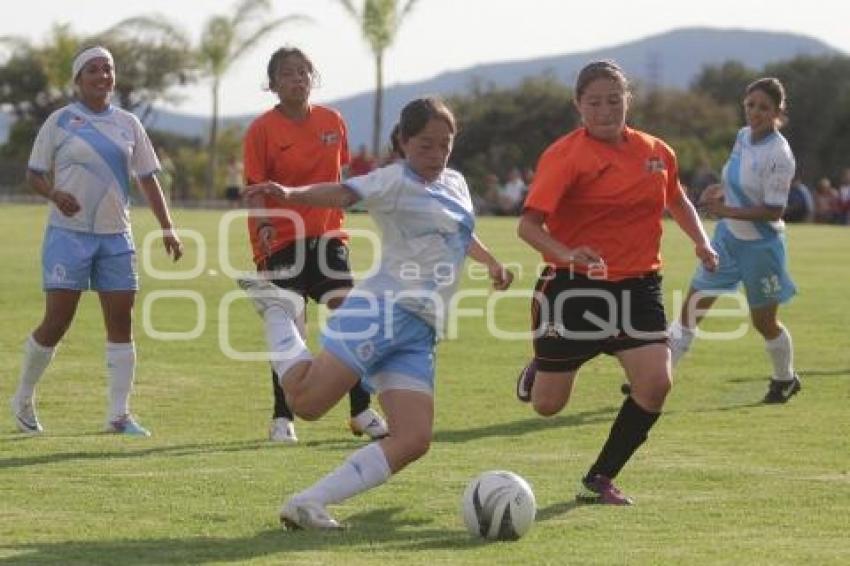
(501, 128)
(505, 128)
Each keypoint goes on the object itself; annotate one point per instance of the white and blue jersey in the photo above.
(426, 229)
(753, 253)
(387, 326)
(757, 173)
(93, 157)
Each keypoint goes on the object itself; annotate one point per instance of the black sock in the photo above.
(281, 409)
(359, 398)
(628, 432)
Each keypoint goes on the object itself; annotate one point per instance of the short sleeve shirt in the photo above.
(757, 174)
(610, 198)
(93, 156)
(426, 229)
(296, 153)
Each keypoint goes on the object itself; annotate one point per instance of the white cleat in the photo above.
(297, 514)
(126, 425)
(26, 420)
(370, 423)
(282, 430)
(265, 295)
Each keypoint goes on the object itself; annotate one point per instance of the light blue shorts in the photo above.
(761, 265)
(82, 260)
(388, 346)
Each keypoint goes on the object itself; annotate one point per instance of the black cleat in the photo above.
(780, 391)
(525, 381)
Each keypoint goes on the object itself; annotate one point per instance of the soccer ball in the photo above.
(498, 505)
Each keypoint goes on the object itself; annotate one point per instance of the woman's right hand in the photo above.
(65, 202)
(266, 234)
(582, 255)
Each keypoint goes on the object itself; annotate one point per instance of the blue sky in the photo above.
(439, 35)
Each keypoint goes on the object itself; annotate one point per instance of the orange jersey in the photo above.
(296, 153)
(609, 198)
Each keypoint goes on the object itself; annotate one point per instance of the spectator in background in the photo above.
(233, 190)
(844, 197)
(513, 193)
(362, 163)
(827, 203)
(491, 192)
(801, 205)
(703, 177)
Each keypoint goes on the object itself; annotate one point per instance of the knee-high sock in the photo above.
(36, 358)
(286, 345)
(781, 352)
(629, 431)
(680, 341)
(363, 470)
(121, 368)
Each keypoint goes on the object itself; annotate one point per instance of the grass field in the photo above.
(722, 479)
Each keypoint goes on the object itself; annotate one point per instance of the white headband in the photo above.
(86, 56)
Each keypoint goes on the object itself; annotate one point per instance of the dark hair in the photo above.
(416, 114)
(395, 141)
(772, 87)
(606, 68)
(277, 58)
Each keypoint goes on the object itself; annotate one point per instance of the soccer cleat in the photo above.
(297, 514)
(265, 295)
(525, 381)
(127, 425)
(369, 423)
(282, 430)
(601, 490)
(26, 420)
(780, 391)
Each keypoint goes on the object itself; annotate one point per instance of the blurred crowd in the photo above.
(825, 204)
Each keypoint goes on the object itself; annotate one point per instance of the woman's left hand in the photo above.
(709, 258)
(501, 276)
(716, 207)
(272, 189)
(173, 245)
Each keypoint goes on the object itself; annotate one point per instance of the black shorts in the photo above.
(311, 267)
(623, 315)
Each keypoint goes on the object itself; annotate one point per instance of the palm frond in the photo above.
(249, 10)
(351, 9)
(244, 45)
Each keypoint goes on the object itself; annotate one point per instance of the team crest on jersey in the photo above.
(655, 164)
(58, 273)
(77, 121)
(330, 138)
(365, 350)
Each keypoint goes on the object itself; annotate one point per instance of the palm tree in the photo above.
(379, 22)
(224, 40)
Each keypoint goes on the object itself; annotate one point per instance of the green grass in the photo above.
(722, 480)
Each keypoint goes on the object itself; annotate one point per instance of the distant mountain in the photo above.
(671, 59)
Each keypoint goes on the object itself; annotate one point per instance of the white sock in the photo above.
(365, 469)
(680, 341)
(35, 362)
(286, 344)
(781, 352)
(121, 367)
